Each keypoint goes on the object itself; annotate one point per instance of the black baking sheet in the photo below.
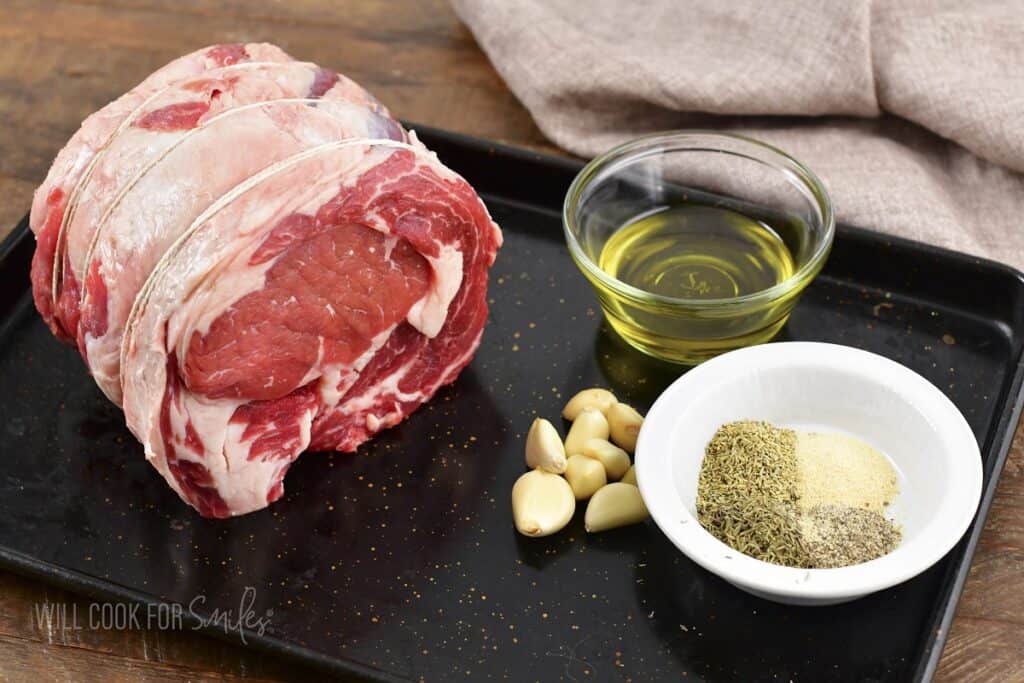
(401, 562)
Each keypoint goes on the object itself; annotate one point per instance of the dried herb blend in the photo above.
(799, 499)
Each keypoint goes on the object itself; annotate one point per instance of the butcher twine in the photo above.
(911, 112)
(72, 205)
(142, 298)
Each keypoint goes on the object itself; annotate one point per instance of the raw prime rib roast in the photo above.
(255, 259)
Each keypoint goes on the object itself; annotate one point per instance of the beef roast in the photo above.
(74, 161)
(254, 116)
(258, 260)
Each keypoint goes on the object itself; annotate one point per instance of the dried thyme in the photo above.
(747, 492)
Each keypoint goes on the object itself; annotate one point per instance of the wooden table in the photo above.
(62, 60)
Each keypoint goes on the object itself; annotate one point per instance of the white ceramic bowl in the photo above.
(821, 387)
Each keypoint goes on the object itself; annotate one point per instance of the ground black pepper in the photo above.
(839, 535)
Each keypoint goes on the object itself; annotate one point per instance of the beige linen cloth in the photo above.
(911, 111)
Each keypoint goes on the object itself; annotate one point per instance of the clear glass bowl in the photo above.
(712, 169)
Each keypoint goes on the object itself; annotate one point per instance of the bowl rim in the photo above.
(698, 140)
(663, 501)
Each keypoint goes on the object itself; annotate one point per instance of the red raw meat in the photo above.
(258, 260)
(92, 137)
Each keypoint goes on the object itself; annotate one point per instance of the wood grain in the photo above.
(63, 60)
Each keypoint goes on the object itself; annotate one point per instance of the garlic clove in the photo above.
(613, 506)
(614, 459)
(585, 476)
(596, 399)
(542, 503)
(624, 424)
(544, 447)
(589, 424)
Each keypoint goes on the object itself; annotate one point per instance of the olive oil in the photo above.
(694, 251)
(703, 256)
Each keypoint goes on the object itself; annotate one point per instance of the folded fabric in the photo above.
(911, 113)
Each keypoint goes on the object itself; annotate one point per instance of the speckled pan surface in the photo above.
(401, 562)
